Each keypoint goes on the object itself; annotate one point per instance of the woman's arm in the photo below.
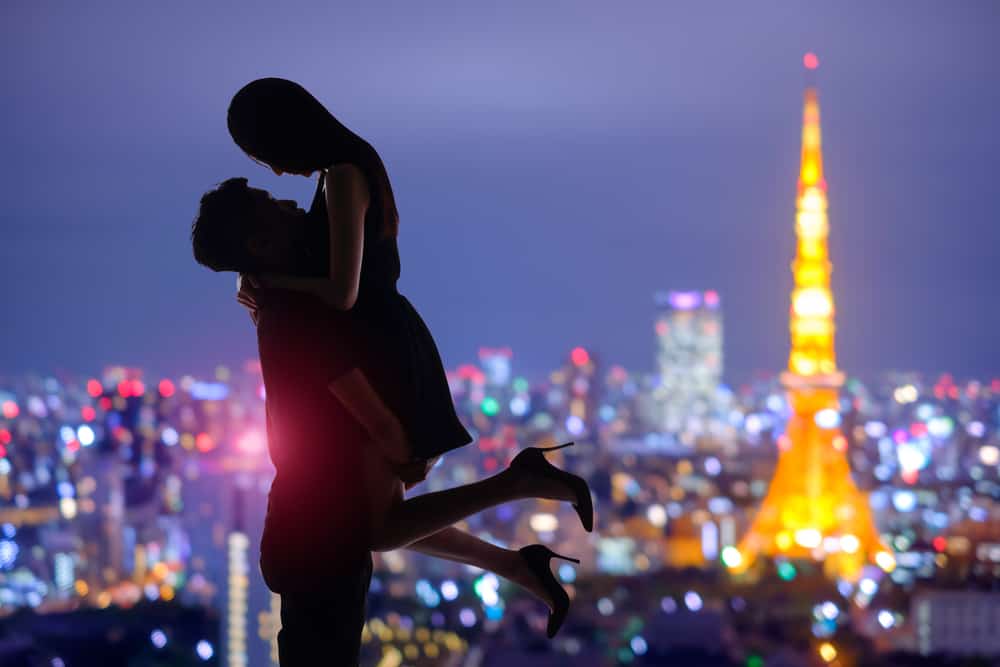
(347, 200)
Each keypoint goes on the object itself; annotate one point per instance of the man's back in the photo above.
(316, 508)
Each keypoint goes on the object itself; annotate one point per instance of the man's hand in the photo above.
(246, 294)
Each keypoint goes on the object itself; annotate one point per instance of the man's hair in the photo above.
(224, 222)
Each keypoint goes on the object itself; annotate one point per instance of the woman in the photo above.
(351, 262)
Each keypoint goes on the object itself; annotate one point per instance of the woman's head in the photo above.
(279, 123)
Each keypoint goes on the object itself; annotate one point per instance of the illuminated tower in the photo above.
(813, 508)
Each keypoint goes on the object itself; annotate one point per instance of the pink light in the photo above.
(94, 388)
(252, 442)
(88, 413)
(166, 388)
(4, 436)
(810, 60)
(579, 356)
(10, 410)
(711, 298)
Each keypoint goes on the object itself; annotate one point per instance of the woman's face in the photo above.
(279, 172)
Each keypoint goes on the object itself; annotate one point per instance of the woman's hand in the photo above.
(246, 294)
(322, 288)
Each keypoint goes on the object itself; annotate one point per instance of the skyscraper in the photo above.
(688, 332)
(813, 508)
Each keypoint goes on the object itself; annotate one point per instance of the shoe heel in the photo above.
(552, 449)
(553, 554)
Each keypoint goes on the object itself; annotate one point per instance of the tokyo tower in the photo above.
(813, 510)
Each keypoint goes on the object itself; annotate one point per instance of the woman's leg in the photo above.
(456, 545)
(397, 523)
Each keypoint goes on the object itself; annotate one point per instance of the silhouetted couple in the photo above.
(358, 403)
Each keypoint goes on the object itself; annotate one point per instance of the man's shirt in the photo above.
(317, 501)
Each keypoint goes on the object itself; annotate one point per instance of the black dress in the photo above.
(402, 358)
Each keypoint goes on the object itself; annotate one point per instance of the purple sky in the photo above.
(553, 167)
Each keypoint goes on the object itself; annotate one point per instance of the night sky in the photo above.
(553, 166)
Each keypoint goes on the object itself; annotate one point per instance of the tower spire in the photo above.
(813, 509)
(811, 323)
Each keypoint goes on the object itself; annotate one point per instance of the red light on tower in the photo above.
(810, 60)
(579, 356)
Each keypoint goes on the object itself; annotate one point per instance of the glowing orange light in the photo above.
(579, 356)
(88, 413)
(10, 410)
(810, 60)
(840, 443)
(166, 388)
(94, 388)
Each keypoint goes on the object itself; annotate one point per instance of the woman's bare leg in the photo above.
(456, 545)
(397, 523)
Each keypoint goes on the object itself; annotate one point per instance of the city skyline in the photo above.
(509, 237)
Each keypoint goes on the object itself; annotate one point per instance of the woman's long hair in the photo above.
(280, 123)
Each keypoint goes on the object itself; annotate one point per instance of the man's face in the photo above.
(275, 223)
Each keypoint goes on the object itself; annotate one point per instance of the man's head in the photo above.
(239, 228)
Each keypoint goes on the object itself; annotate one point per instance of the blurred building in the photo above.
(957, 622)
(688, 332)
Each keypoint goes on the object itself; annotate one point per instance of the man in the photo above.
(313, 549)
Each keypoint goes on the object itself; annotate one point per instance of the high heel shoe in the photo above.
(532, 459)
(538, 557)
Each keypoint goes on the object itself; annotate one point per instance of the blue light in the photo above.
(204, 650)
(158, 638)
(904, 501)
(449, 589)
(639, 646)
(567, 573)
(574, 425)
(8, 553)
(209, 391)
(85, 435)
(494, 612)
